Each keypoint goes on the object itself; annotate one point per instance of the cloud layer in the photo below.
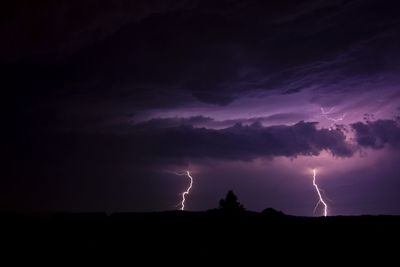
(378, 134)
(185, 143)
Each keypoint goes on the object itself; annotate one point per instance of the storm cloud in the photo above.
(150, 54)
(378, 134)
(185, 143)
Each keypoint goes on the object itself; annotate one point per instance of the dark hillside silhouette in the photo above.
(272, 212)
(175, 234)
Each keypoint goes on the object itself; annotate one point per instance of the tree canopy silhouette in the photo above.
(230, 203)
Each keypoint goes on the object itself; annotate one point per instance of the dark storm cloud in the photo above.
(158, 144)
(164, 53)
(277, 118)
(377, 134)
(48, 31)
(207, 122)
(217, 52)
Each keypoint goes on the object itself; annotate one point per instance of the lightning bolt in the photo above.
(321, 199)
(325, 114)
(187, 191)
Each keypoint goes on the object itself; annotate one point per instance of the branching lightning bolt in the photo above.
(321, 199)
(325, 114)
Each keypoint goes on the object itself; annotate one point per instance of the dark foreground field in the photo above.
(198, 235)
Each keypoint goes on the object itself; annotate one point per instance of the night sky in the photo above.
(104, 100)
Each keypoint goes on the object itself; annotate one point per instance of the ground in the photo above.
(178, 235)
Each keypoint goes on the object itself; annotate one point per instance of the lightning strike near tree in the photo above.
(321, 199)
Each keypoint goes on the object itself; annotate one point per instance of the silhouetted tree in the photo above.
(230, 203)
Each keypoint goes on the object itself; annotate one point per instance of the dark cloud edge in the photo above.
(239, 142)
